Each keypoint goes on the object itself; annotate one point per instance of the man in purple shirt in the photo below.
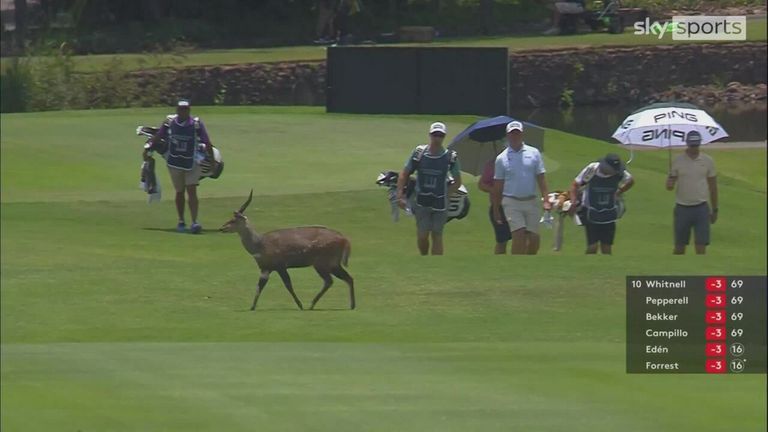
(188, 143)
(500, 228)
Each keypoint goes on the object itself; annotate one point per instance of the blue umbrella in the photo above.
(484, 139)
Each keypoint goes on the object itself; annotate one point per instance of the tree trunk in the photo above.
(45, 7)
(20, 17)
(393, 12)
(486, 15)
(436, 6)
(151, 10)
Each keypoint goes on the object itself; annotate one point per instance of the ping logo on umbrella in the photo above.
(671, 115)
(653, 134)
(712, 131)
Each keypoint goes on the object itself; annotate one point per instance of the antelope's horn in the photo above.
(243, 207)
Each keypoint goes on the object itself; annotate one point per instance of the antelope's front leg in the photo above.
(263, 279)
(289, 286)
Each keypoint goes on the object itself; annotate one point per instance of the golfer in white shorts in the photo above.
(519, 169)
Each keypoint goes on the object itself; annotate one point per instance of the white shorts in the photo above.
(522, 214)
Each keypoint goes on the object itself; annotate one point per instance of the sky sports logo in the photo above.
(696, 28)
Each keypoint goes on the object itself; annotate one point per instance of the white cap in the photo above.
(437, 127)
(182, 103)
(514, 125)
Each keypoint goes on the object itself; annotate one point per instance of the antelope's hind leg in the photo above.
(287, 281)
(263, 279)
(328, 281)
(342, 274)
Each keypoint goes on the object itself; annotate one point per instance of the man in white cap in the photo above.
(696, 196)
(186, 137)
(432, 163)
(519, 169)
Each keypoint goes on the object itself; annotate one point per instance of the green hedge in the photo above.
(14, 87)
(50, 83)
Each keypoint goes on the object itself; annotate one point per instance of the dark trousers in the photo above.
(691, 217)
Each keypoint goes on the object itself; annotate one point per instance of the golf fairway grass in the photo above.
(111, 321)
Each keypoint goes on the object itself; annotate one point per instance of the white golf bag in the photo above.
(458, 203)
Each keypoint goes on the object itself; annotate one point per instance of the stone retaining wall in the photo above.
(583, 76)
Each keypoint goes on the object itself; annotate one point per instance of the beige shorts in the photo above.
(182, 178)
(522, 214)
(568, 8)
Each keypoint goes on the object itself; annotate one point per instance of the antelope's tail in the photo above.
(345, 253)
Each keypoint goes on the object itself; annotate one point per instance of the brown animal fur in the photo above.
(276, 251)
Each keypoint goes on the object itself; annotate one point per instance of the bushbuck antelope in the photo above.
(324, 249)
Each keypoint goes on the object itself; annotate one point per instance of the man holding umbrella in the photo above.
(671, 124)
(501, 228)
(695, 176)
(479, 145)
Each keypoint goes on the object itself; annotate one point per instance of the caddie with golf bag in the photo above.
(458, 202)
(184, 143)
(432, 164)
(599, 188)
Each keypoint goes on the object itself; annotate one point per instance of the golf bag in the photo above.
(458, 203)
(149, 183)
(207, 168)
(388, 179)
(561, 204)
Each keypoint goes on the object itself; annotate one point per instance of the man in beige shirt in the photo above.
(696, 196)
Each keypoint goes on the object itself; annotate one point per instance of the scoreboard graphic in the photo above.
(696, 324)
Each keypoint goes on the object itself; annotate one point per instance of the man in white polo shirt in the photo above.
(519, 169)
(696, 197)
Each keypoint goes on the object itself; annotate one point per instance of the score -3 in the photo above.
(716, 301)
(718, 366)
(715, 317)
(719, 300)
(716, 333)
(715, 366)
(719, 317)
(715, 284)
(715, 349)
(719, 284)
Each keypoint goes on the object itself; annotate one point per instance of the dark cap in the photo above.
(611, 161)
(693, 138)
